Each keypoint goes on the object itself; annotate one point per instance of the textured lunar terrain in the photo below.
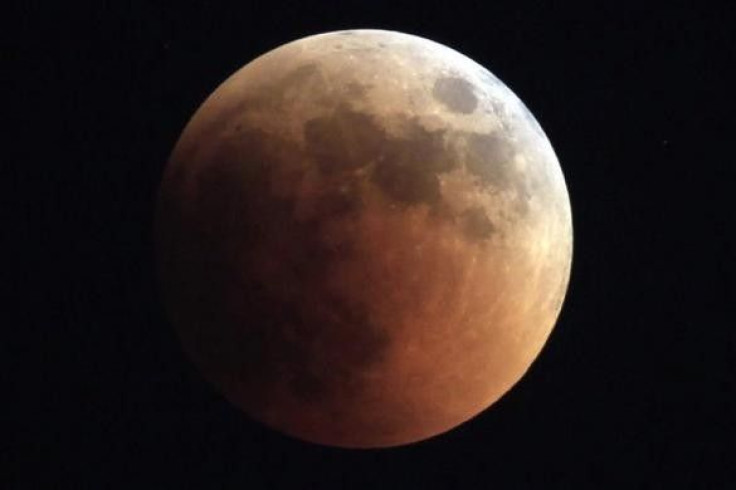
(364, 238)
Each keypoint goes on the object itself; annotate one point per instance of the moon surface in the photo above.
(364, 238)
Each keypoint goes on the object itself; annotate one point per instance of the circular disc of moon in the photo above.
(364, 238)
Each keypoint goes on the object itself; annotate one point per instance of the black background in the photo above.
(634, 387)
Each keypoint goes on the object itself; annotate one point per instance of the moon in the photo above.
(364, 238)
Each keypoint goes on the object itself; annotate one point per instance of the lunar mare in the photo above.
(364, 238)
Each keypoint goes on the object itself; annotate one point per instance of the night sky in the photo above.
(634, 388)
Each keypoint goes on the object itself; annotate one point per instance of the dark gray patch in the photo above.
(404, 168)
(407, 171)
(456, 94)
(344, 141)
(335, 202)
(476, 225)
(490, 159)
(357, 90)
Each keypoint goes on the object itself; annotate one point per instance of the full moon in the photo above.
(364, 238)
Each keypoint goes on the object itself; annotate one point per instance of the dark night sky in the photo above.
(634, 388)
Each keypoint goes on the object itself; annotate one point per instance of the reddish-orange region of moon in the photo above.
(358, 276)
